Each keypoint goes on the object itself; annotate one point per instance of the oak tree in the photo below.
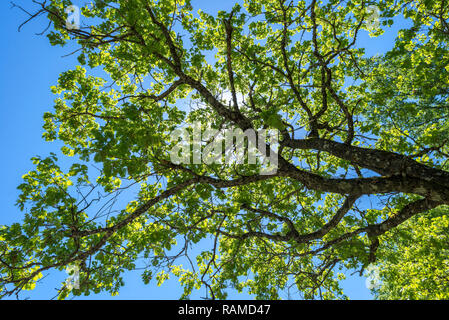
(362, 155)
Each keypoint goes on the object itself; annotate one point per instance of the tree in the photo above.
(415, 264)
(362, 151)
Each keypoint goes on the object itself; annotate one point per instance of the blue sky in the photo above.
(29, 67)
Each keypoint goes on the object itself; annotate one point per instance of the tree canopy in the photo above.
(362, 173)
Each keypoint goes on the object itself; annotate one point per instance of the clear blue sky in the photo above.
(29, 66)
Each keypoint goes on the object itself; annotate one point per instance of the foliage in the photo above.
(362, 156)
(415, 265)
